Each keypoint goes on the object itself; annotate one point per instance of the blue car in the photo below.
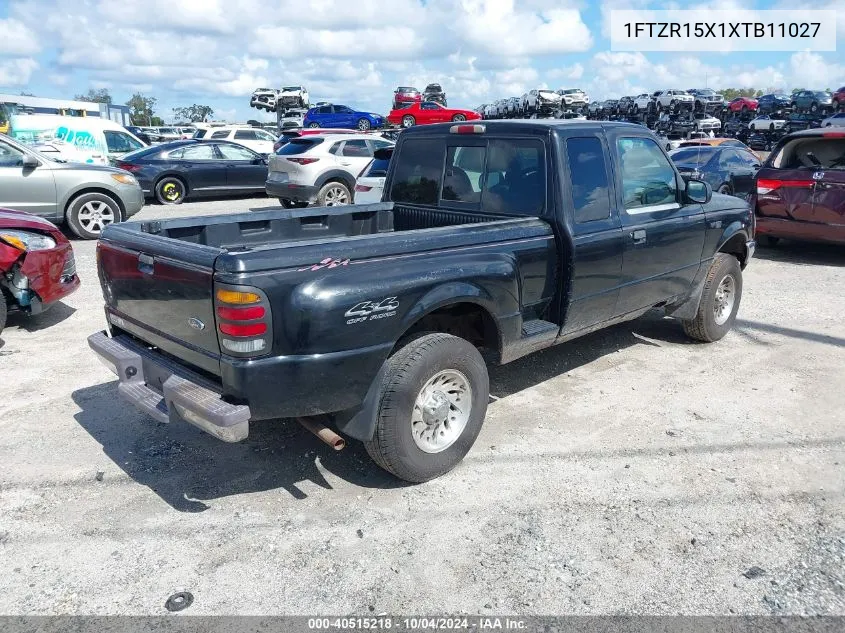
(341, 116)
(773, 102)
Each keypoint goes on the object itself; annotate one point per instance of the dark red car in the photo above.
(743, 104)
(800, 190)
(37, 267)
(406, 94)
(839, 97)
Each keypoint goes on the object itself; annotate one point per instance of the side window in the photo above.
(118, 142)
(220, 134)
(727, 159)
(200, 151)
(381, 144)
(419, 171)
(588, 175)
(335, 148)
(515, 177)
(234, 152)
(324, 110)
(357, 149)
(9, 156)
(245, 135)
(648, 179)
(261, 135)
(462, 178)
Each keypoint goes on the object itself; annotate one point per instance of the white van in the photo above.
(87, 139)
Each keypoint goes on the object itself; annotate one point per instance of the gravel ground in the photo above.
(631, 471)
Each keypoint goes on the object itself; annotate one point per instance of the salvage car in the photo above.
(173, 172)
(643, 103)
(812, 100)
(433, 92)
(573, 98)
(706, 123)
(86, 197)
(674, 99)
(431, 112)
(743, 105)
(839, 98)
(728, 170)
(256, 139)
(625, 105)
(37, 267)
(493, 240)
(540, 100)
(773, 102)
(835, 120)
(800, 190)
(292, 97)
(766, 122)
(706, 99)
(764, 141)
(341, 116)
(264, 99)
(798, 121)
(320, 169)
(406, 94)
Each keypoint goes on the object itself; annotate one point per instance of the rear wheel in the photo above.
(334, 194)
(314, 125)
(170, 191)
(719, 303)
(432, 404)
(88, 214)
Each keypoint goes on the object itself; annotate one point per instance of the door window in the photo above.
(588, 175)
(356, 149)
(234, 152)
(9, 156)
(201, 151)
(220, 134)
(324, 110)
(648, 180)
(119, 142)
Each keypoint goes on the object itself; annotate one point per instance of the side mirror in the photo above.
(698, 191)
(30, 162)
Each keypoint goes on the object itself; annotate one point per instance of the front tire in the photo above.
(408, 121)
(720, 300)
(314, 125)
(88, 214)
(459, 117)
(170, 191)
(364, 125)
(433, 401)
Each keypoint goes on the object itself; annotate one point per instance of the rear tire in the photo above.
(87, 215)
(314, 125)
(334, 194)
(170, 190)
(720, 300)
(432, 404)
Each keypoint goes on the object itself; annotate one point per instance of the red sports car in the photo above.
(742, 104)
(37, 267)
(429, 112)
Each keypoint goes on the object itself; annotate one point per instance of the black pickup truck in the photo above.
(493, 241)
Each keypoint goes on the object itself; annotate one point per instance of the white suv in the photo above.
(254, 138)
(573, 97)
(643, 103)
(673, 99)
(293, 97)
(541, 100)
(321, 168)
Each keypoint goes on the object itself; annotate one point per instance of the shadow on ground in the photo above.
(188, 468)
(803, 253)
(54, 315)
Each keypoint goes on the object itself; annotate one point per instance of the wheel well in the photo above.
(466, 320)
(736, 246)
(104, 192)
(339, 179)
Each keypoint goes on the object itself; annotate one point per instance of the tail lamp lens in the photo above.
(237, 297)
(303, 161)
(768, 185)
(243, 330)
(241, 314)
(243, 321)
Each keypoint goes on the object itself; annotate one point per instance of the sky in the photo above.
(357, 52)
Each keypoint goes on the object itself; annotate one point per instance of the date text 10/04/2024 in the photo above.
(418, 623)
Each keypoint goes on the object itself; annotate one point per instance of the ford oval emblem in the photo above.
(195, 323)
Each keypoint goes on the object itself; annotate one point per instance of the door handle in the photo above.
(638, 236)
(146, 263)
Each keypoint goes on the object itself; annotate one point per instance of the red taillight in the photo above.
(243, 329)
(833, 134)
(241, 314)
(362, 188)
(131, 167)
(467, 129)
(303, 161)
(767, 185)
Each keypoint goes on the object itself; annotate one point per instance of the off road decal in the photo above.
(371, 310)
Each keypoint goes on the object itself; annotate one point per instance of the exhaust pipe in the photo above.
(324, 433)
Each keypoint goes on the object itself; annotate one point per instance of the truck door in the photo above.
(596, 232)
(664, 237)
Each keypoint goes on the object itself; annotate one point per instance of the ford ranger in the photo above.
(493, 240)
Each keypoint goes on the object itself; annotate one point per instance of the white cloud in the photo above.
(17, 72)
(17, 39)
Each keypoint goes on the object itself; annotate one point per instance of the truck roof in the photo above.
(535, 126)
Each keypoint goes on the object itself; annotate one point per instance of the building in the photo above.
(14, 104)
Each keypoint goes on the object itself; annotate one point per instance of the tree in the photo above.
(141, 109)
(193, 113)
(95, 96)
(156, 121)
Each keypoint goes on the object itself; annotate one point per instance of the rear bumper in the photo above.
(810, 231)
(291, 191)
(167, 392)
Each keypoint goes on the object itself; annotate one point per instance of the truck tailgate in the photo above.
(161, 290)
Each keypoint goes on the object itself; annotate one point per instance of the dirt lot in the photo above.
(628, 472)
